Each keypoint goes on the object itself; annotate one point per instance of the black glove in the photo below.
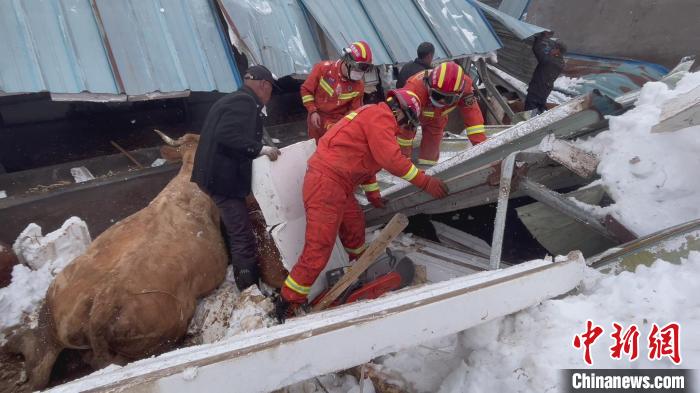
(282, 307)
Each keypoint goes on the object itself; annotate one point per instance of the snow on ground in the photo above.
(42, 257)
(651, 176)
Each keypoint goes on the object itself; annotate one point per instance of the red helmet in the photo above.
(408, 102)
(359, 55)
(446, 83)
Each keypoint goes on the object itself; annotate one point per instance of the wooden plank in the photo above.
(375, 249)
(576, 160)
(342, 337)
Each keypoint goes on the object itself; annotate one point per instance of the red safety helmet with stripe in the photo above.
(406, 101)
(359, 56)
(445, 84)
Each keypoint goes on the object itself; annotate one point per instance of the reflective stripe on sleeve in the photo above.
(428, 114)
(411, 174)
(296, 287)
(351, 115)
(307, 98)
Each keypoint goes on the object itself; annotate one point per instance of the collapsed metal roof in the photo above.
(288, 49)
(101, 50)
(394, 29)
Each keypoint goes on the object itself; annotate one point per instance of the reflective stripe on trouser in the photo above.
(329, 209)
(327, 122)
(406, 135)
(432, 136)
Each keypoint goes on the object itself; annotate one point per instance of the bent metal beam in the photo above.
(332, 340)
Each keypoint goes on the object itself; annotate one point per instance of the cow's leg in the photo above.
(39, 347)
(133, 326)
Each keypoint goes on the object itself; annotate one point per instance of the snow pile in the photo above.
(48, 255)
(569, 84)
(525, 351)
(228, 312)
(651, 176)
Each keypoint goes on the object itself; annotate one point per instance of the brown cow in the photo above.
(134, 291)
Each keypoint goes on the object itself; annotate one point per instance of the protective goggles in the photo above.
(362, 67)
(440, 99)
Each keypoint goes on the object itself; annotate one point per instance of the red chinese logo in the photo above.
(627, 343)
(662, 342)
(665, 342)
(589, 337)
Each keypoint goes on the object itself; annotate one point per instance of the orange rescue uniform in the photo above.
(350, 154)
(327, 92)
(433, 120)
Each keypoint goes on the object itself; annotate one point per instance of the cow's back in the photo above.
(138, 282)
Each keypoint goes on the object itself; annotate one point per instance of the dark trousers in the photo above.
(234, 215)
(535, 103)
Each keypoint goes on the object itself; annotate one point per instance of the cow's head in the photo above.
(182, 148)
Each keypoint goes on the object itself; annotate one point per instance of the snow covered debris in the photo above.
(651, 176)
(57, 248)
(47, 255)
(525, 351)
(228, 312)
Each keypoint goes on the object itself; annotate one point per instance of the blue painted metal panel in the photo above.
(395, 28)
(519, 28)
(460, 26)
(288, 48)
(167, 46)
(514, 8)
(52, 45)
(402, 28)
(611, 76)
(346, 21)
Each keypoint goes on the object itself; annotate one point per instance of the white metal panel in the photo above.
(277, 186)
(342, 337)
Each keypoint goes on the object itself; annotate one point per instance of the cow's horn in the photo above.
(170, 141)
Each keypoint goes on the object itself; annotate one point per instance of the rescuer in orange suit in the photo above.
(441, 90)
(334, 88)
(350, 154)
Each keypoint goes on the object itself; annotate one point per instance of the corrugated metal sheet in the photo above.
(52, 46)
(395, 28)
(514, 8)
(519, 28)
(346, 21)
(402, 28)
(612, 77)
(101, 49)
(287, 49)
(167, 46)
(460, 27)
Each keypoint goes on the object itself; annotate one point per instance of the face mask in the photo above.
(356, 75)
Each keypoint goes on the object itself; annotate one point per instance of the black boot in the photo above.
(246, 275)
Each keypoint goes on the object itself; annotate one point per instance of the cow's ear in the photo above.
(170, 153)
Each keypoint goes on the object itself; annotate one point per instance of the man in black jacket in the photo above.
(230, 140)
(425, 53)
(550, 63)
